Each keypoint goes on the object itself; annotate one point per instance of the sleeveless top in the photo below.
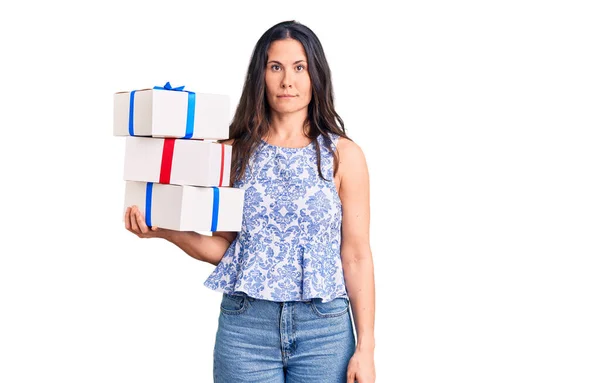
(288, 248)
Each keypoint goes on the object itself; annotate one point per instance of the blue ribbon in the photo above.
(148, 204)
(131, 99)
(215, 212)
(191, 108)
(169, 87)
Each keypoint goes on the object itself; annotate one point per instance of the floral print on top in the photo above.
(288, 248)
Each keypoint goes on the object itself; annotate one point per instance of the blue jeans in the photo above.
(275, 342)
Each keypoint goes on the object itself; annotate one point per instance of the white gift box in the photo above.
(187, 208)
(177, 161)
(165, 113)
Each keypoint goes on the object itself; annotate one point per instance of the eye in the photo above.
(301, 67)
(275, 67)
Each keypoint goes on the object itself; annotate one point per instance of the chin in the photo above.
(288, 110)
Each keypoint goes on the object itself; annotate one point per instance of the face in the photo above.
(286, 76)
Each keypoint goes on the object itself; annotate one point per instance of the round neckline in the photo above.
(286, 147)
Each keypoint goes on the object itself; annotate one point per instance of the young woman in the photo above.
(303, 256)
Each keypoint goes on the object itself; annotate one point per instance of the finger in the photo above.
(350, 377)
(127, 223)
(134, 226)
(141, 223)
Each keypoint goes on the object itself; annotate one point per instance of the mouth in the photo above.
(286, 96)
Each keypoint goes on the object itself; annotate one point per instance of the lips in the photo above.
(286, 96)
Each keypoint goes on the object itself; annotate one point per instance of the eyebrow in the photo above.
(277, 62)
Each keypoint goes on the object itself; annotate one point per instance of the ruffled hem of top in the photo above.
(229, 277)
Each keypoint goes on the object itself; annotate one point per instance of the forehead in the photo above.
(286, 50)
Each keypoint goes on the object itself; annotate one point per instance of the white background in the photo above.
(479, 121)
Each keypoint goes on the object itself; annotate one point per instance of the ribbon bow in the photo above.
(168, 86)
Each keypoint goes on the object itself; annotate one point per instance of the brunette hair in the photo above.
(252, 116)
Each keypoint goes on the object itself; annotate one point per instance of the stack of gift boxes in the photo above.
(175, 170)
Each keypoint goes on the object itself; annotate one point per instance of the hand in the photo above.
(361, 367)
(135, 223)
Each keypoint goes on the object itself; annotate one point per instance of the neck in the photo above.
(288, 128)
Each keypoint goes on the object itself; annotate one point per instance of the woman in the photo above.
(289, 275)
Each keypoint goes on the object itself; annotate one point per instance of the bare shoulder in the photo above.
(351, 155)
(346, 145)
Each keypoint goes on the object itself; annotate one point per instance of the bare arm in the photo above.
(357, 260)
(202, 247)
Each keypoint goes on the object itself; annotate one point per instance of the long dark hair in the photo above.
(252, 116)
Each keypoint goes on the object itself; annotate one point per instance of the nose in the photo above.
(286, 81)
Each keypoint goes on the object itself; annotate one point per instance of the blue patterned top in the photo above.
(288, 248)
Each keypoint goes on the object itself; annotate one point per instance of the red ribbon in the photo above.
(167, 162)
(222, 164)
